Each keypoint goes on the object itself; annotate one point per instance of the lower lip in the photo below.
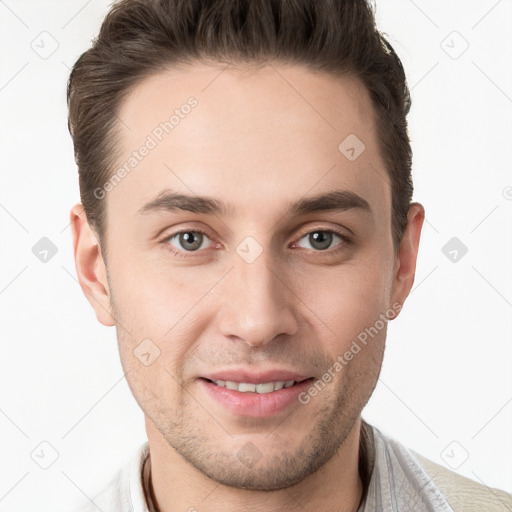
(255, 405)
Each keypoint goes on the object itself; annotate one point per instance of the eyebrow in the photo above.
(335, 200)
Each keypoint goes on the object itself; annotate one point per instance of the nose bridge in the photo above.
(257, 306)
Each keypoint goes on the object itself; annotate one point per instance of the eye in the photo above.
(321, 239)
(190, 240)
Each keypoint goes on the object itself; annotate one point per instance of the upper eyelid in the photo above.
(336, 231)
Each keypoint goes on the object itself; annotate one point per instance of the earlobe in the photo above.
(405, 265)
(90, 266)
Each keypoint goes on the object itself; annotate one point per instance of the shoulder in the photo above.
(464, 494)
(109, 499)
(124, 492)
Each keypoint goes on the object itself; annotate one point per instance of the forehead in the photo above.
(275, 132)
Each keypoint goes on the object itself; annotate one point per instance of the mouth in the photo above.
(264, 399)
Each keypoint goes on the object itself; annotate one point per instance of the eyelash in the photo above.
(344, 241)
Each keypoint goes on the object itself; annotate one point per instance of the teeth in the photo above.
(268, 387)
(247, 387)
(244, 387)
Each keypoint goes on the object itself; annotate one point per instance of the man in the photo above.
(246, 224)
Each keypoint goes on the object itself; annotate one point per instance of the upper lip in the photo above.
(255, 377)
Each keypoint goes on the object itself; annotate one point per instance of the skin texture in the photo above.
(258, 139)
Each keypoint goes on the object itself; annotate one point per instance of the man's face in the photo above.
(266, 294)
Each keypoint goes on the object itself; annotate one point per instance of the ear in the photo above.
(90, 267)
(405, 265)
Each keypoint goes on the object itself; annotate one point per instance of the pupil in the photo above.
(322, 238)
(188, 238)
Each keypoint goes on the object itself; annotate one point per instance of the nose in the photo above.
(257, 303)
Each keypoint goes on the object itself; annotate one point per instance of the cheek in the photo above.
(150, 300)
(347, 299)
(159, 318)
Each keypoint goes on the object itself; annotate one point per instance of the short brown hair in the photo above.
(141, 37)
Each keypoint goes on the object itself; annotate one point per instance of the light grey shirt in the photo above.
(397, 483)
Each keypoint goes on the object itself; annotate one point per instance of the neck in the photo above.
(337, 486)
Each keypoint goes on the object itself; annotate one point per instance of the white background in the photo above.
(447, 371)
